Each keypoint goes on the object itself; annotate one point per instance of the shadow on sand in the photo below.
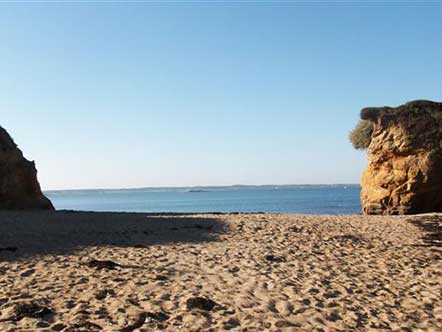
(25, 234)
(431, 225)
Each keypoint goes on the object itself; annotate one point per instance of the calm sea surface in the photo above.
(305, 199)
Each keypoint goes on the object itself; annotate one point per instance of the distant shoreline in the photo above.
(238, 186)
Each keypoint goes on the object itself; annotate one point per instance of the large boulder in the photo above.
(404, 172)
(19, 188)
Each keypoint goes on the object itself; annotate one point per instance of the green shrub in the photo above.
(360, 136)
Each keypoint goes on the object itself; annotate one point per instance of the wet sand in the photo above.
(78, 271)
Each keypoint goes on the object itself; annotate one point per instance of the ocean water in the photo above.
(304, 199)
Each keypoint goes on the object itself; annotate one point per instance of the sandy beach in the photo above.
(80, 271)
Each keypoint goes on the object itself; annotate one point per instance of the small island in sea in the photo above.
(197, 191)
(77, 271)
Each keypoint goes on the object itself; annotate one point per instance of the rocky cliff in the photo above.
(19, 188)
(404, 172)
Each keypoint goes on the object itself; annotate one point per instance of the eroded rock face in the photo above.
(19, 188)
(404, 172)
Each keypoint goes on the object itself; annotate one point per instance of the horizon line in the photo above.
(205, 186)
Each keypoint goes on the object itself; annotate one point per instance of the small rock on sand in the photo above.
(100, 265)
(201, 303)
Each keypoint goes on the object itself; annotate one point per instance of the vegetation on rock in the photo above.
(360, 136)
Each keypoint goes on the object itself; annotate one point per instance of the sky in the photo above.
(178, 93)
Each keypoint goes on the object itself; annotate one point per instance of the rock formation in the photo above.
(404, 172)
(19, 188)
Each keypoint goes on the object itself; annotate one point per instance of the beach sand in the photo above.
(263, 272)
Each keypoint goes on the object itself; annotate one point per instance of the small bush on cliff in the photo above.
(360, 136)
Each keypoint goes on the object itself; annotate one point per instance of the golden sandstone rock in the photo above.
(404, 172)
(19, 188)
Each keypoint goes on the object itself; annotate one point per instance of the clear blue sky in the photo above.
(160, 94)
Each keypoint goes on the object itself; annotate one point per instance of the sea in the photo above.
(302, 199)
